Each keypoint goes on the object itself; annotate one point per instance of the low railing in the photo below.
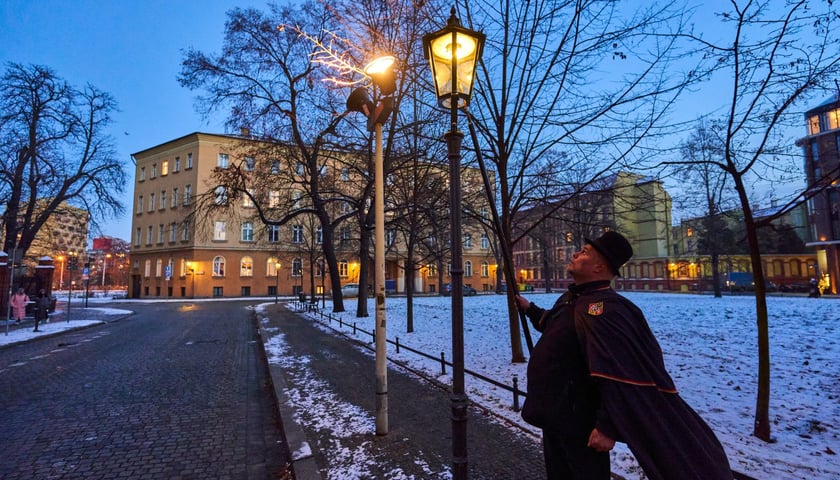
(444, 363)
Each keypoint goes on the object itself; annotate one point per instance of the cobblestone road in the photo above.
(177, 391)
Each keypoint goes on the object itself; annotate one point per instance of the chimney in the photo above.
(245, 131)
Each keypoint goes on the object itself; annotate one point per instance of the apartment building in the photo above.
(821, 149)
(180, 248)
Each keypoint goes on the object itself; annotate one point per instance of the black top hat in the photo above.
(614, 247)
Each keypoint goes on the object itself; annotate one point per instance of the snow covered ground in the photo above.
(710, 350)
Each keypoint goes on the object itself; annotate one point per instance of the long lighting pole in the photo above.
(382, 74)
(453, 53)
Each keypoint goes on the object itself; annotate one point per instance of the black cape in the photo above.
(640, 405)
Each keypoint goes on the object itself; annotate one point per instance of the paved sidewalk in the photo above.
(418, 444)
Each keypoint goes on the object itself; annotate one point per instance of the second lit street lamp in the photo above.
(454, 53)
(381, 72)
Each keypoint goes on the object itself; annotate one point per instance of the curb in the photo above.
(303, 460)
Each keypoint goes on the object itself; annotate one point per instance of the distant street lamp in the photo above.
(104, 269)
(61, 259)
(381, 72)
(191, 271)
(276, 281)
(454, 53)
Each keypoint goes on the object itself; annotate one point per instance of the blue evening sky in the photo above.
(131, 49)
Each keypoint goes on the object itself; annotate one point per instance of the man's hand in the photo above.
(521, 303)
(600, 442)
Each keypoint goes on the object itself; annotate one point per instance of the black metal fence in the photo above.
(444, 363)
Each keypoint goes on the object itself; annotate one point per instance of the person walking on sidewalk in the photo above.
(597, 376)
(42, 307)
(19, 301)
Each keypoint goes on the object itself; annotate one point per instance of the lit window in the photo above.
(246, 267)
(164, 168)
(273, 199)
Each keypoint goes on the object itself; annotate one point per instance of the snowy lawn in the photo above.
(710, 351)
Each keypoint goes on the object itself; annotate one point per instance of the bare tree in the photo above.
(541, 87)
(705, 184)
(268, 80)
(55, 151)
(776, 59)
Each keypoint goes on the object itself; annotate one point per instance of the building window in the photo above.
(345, 174)
(151, 202)
(164, 168)
(390, 237)
(345, 235)
(275, 167)
(250, 164)
(319, 236)
(485, 269)
(297, 234)
(158, 268)
(219, 266)
(247, 232)
(161, 233)
(185, 233)
(274, 233)
(189, 161)
(485, 241)
(297, 267)
(246, 267)
(343, 268)
(173, 232)
(274, 199)
(247, 199)
(219, 231)
(177, 166)
(271, 269)
(300, 169)
(147, 269)
(154, 170)
(223, 160)
(187, 194)
(432, 271)
(150, 235)
(345, 207)
(467, 240)
(468, 268)
(162, 199)
(174, 197)
(138, 236)
(142, 174)
(140, 204)
(221, 195)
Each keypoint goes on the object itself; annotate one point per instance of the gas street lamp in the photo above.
(381, 72)
(454, 53)
(276, 281)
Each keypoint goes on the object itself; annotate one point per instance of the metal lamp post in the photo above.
(381, 72)
(453, 53)
(276, 281)
(191, 271)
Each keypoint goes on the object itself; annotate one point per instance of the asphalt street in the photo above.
(176, 391)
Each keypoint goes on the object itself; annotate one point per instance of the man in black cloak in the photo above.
(597, 376)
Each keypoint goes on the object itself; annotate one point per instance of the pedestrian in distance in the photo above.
(597, 376)
(42, 307)
(19, 301)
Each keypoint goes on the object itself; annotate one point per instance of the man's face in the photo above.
(587, 265)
